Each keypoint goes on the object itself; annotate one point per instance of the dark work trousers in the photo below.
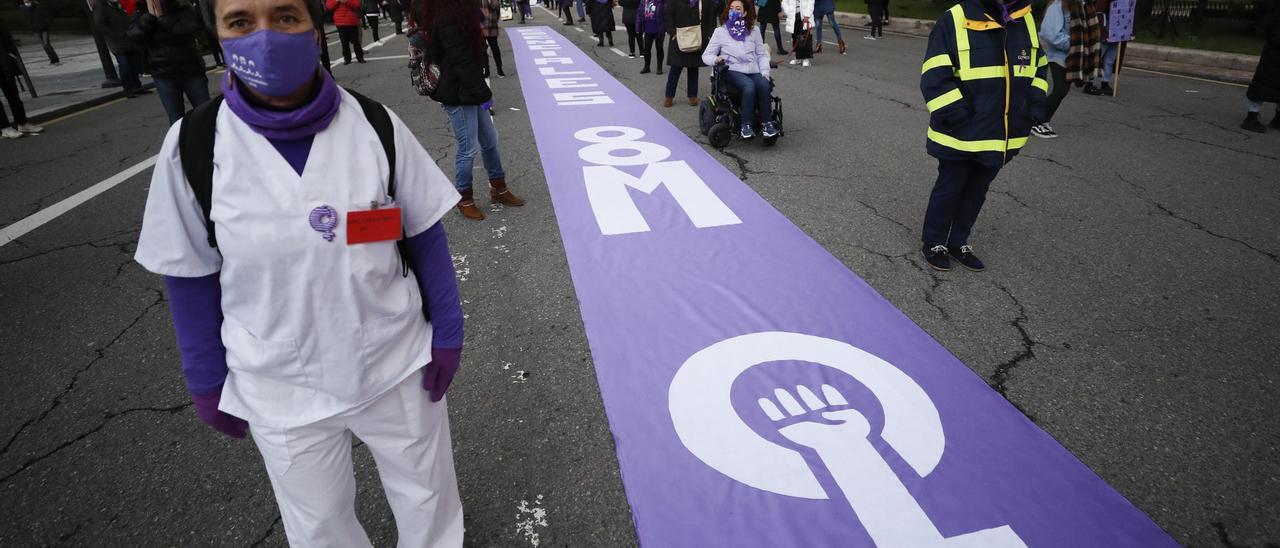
(372, 21)
(601, 37)
(652, 41)
(777, 35)
(803, 48)
(497, 55)
(399, 25)
(350, 37)
(567, 11)
(1058, 74)
(43, 36)
(634, 40)
(673, 79)
(10, 87)
(525, 10)
(877, 9)
(956, 199)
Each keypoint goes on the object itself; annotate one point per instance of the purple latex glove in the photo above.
(207, 410)
(487, 105)
(438, 374)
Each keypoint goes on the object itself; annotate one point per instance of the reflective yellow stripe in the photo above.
(962, 37)
(1024, 11)
(1024, 71)
(1044, 61)
(989, 145)
(935, 62)
(944, 99)
(1031, 29)
(1040, 84)
(980, 73)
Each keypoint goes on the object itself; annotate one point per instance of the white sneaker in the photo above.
(804, 63)
(792, 62)
(868, 37)
(10, 133)
(29, 128)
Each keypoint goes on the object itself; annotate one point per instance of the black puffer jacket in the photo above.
(681, 14)
(169, 40)
(1265, 86)
(461, 69)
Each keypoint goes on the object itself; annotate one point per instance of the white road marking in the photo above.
(579, 29)
(618, 51)
(39, 218)
(386, 57)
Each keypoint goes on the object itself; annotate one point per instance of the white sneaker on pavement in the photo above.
(10, 133)
(793, 61)
(804, 63)
(29, 128)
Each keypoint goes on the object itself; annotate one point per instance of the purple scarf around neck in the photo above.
(737, 26)
(304, 121)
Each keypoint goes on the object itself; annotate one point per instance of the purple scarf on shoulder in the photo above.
(299, 123)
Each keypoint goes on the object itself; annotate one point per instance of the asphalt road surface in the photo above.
(1129, 308)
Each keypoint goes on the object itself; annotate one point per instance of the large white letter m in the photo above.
(616, 212)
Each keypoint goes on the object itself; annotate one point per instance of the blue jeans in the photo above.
(817, 33)
(755, 93)
(128, 73)
(473, 128)
(582, 13)
(1109, 50)
(171, 90)
(673, 78)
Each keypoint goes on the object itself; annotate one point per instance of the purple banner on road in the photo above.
(759, 392)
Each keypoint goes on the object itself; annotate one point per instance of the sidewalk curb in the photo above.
(59, 112)
(1211, 65)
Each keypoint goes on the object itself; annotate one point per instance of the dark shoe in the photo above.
(666, 102)
(1108, 90)
(346, 62)
(967, 259)
(817, 48)
(1252, 123)
(746, 133)
(467, 205)
(937, 257)
(644, 70)
(501, 74)
(499, 193)
(1089, 89)
(659, 70)
(600, 44)
(581, 20)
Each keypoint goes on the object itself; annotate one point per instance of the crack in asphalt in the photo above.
(1274, 258)
(100, 354)
(1222, 535)
(1000, 377)
(876, 212)
(99, 243)
(63, 538)
(271, 529)
(106, 419)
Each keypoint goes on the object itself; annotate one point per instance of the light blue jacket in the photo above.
(747, 56)
(1055, 33)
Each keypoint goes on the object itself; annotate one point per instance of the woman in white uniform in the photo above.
(299, 316)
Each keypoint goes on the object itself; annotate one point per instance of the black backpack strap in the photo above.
(381, 122)
(195, 148)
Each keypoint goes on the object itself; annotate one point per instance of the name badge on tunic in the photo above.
(379, 224)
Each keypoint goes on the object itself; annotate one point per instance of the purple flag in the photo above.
(759, 392)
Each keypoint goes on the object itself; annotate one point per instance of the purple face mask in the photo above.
(273, 63)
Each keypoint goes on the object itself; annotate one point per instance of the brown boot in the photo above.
(841, 40)
(467, 205)
(693, 101)
(666, 102)
(817, 48)
(498, 192)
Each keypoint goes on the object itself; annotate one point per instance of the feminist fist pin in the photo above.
(323, 220)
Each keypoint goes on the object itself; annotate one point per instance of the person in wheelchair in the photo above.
(738, 45)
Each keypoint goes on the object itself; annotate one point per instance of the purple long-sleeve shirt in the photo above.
(196, 306)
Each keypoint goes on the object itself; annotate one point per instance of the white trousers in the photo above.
(314, 480)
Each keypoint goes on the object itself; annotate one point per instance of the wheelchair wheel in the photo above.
(720, 135)
(706, 116)
(769, 141)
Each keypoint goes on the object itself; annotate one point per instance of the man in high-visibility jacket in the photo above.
(984, 83)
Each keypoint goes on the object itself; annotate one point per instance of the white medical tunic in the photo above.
(312, 327)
